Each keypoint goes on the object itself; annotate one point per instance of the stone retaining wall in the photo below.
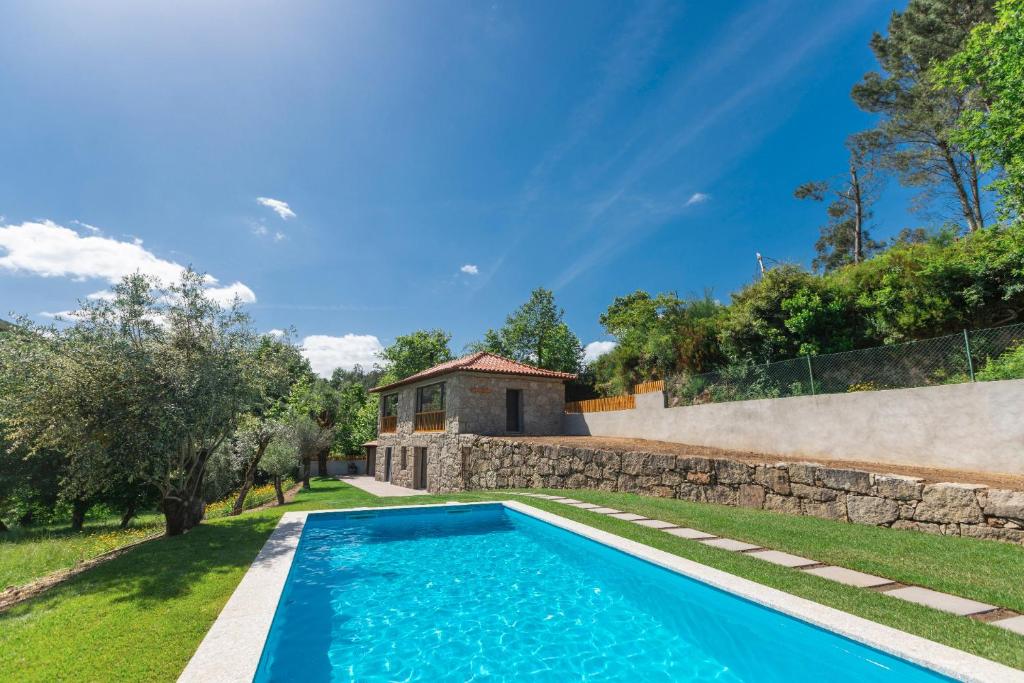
(796, 487)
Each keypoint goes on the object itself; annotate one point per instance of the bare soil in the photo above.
(931, 475)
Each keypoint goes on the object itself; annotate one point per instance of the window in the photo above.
(513, 410)
(430, 398)
(389, 405)
(404, 461)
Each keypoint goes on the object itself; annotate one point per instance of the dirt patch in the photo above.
(931, 475)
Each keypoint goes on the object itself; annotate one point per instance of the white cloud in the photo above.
(697, 198)
(470, 269)
(278, 236)
(278, 206)
(259, 229)
(596, 349)
(46, 249)
(226, 295)
(276, 332)
(325, 353)
(50, 250)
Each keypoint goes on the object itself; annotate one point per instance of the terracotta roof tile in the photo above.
(481, 361)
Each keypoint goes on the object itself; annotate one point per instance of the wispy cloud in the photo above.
(278, 206)
(697, 198)
(470, 269)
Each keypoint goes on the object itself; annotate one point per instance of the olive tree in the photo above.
(148, 384)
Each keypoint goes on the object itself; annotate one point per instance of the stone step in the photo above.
(783, 559)
(692, 534)
(1015, 624)
(656, 523)
(849, 577)
(605, 511)
(940, 601)
(731, 544)
(627, 516)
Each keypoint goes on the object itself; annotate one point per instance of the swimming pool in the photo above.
(484, 592)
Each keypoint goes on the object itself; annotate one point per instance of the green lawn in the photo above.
(31, 552)
(140, 616)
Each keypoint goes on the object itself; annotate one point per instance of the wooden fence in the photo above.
(600, 405)
(624, 402)
(649, 387)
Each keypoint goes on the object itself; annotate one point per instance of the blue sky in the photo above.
(362, 170)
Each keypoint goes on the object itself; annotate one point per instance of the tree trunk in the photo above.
(858, 216)
(250, 477)
(182, 513)
(183, 506)
(277, 489)
(78, 510)
(966, 206)
(975, 191)
(307, 463)
(322, 462)
(27, 519)
(128, 516)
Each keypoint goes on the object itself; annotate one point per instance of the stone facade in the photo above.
(474, 402)
(476, 462)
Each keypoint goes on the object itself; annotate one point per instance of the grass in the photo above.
(141, 616)
(27, 553)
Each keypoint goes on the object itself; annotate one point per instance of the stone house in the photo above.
(422, 416)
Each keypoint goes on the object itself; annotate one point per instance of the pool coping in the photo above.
(231, 650)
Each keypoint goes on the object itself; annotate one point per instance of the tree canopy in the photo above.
(536, 333)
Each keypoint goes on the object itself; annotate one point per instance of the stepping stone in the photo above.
(585, 506)
(781, 558)
(692, 534)
(605, 511)
(731, 544)
(545, 496)
(565, 500)
(1015, 624)
(940, 601)
(656, 523)
(849, 577)
(627, 516)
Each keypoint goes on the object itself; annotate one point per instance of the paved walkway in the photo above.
(381, 489)
(922, 596)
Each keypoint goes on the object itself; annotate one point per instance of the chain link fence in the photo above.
(979, 355)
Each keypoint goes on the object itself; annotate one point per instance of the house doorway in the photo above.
(371, 460)
(387, 464)
(420, 463)
(513, 410)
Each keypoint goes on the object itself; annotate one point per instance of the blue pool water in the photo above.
(483, 593)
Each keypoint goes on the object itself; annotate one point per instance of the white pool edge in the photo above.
(230, 652)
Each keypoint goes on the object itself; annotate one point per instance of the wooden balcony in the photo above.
(388, 424)
(432, 421)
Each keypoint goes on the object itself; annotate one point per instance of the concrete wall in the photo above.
(976, 426)
(337, 467)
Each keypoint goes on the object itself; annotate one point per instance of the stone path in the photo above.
(922, 596)
(382, 489)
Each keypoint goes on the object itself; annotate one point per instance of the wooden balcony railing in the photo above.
(432, 421)
(388, 424)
